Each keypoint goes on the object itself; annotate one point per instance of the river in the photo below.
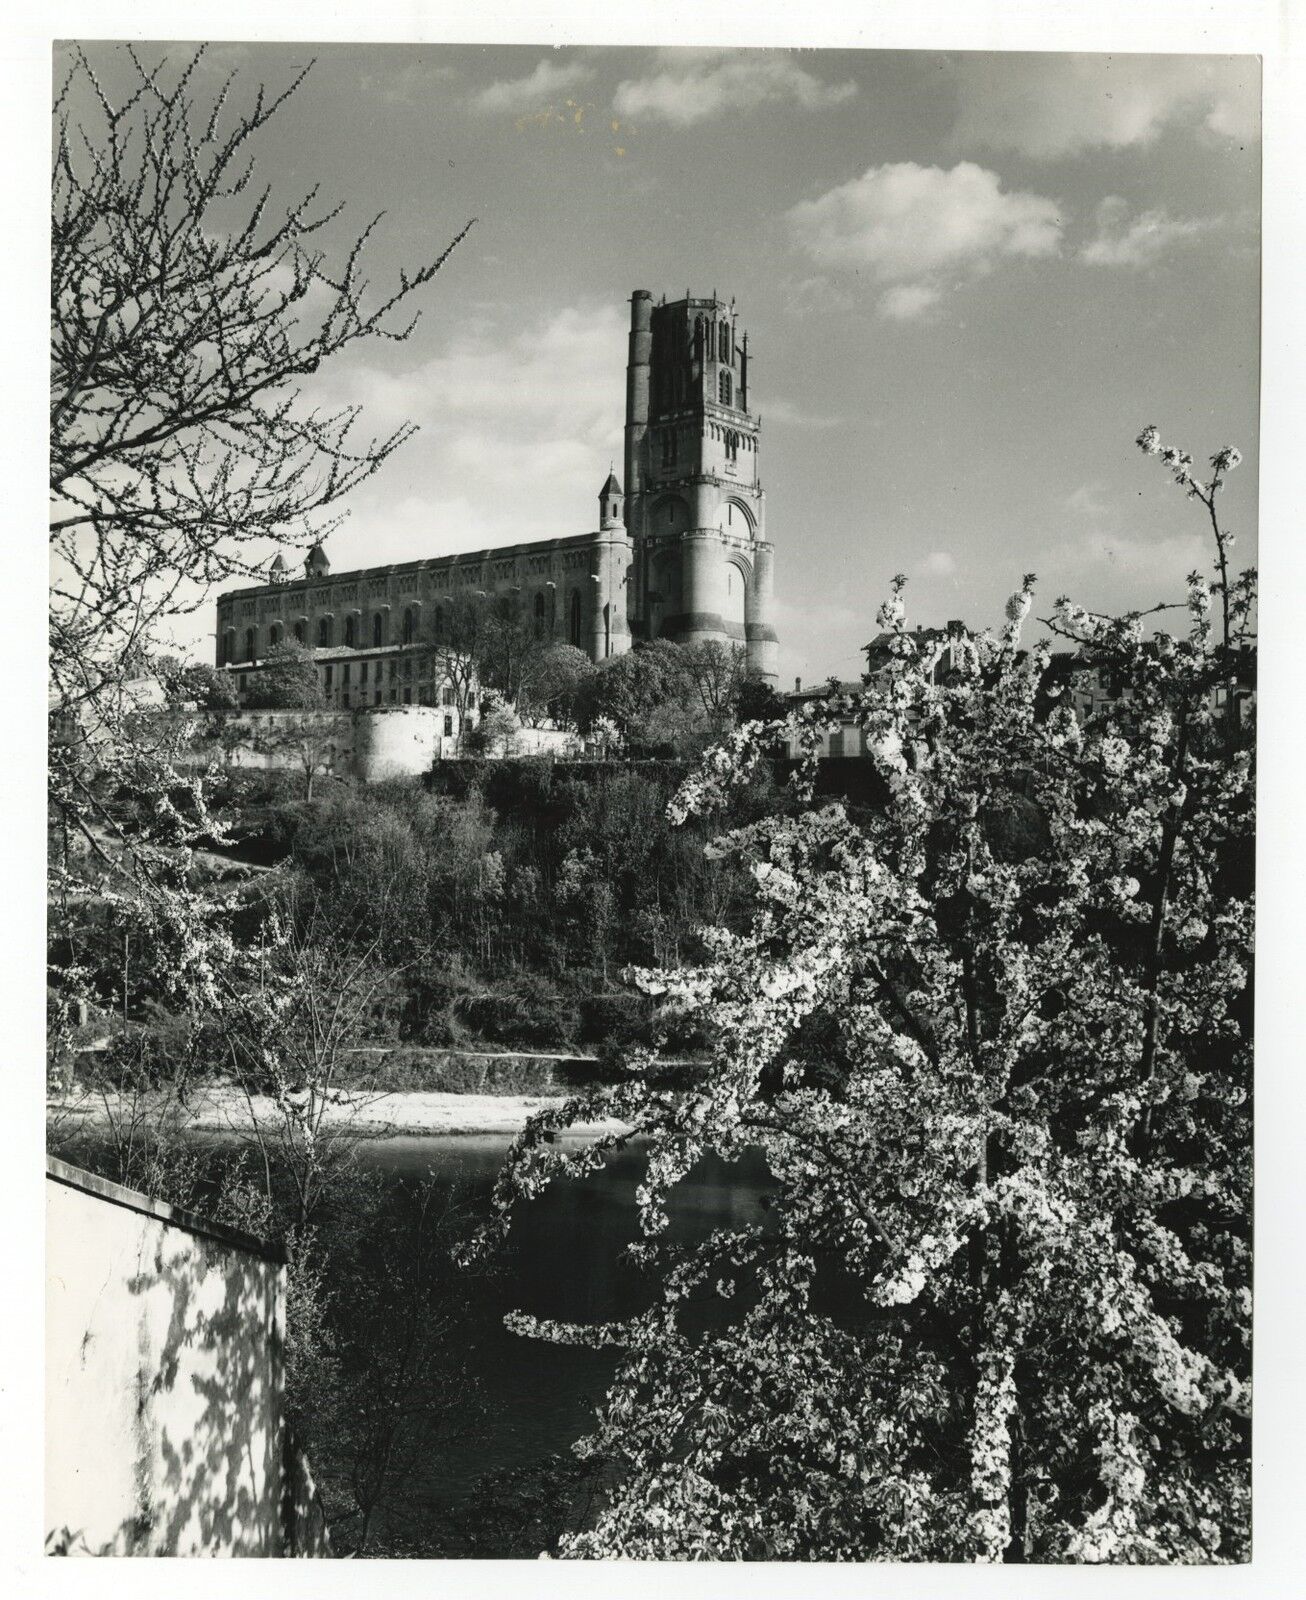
(562, 1260)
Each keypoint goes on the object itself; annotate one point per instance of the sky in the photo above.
(968, 281)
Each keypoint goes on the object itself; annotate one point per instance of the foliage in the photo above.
(186, 315)
(556, 684)
(286, 681)
(999, 1305)
(495, 731)
(193, 683)
(649, 694)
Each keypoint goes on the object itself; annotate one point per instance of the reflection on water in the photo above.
(562, 1260)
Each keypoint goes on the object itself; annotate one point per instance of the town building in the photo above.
(681, 553)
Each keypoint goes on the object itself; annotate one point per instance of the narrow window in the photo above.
(299, 631)
(448, 726)
(362, 673)
(723, 345)
(274, 636)
(394, 670)
(574, 630)
(344, 677)
(408, 625)
(378, 628)
(350, 630)
(329, 670)
(723, 387)
(408, 697)
(344, 695)
(249, 645)
(323, 632)
(539, 616)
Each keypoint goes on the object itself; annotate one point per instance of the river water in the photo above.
(562, 1260)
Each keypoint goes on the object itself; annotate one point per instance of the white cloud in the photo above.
(698, 85)
(905, 302)
(912, 227)
(549, 79)
(939, 564)
(518, 424)
(410, 82)
(1121, 242)
(1048, 106)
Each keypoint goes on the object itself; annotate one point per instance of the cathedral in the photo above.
(679, 553)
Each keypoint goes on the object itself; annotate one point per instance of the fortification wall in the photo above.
(165, 1432)
(396, 741)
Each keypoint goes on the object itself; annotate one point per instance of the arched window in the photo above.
(378, 631)
(723, 387)
(439, 622)
(324, 631)
(228, 646)
(408, 624)
(723, 344)
(732, 447)
(539, 615)
(274, 635)
(350, 633)
(249, 644)
(669, 448)
(573, 631)
(299, 631)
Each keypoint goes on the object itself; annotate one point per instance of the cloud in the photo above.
(549, 79)
(1120, 242)
(913, 227)
(698, 85)
(518, 424)
(938, 564)
(408, 83)
(1050, 106)
(905, 302)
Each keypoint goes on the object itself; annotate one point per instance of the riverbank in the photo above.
(225, 1109)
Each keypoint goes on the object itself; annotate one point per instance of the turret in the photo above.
(278, 571)
(316, 564)
(611, 502)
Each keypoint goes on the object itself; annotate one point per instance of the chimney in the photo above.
(798, 686)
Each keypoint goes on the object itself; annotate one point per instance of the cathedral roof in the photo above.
(278, 562)
(611, 486)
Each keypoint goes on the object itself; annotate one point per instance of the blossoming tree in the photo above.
(998, 1305)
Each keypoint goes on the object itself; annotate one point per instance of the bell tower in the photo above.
(695, 509)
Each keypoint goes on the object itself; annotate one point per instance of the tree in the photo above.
(757, 701)
(557, 681)
(461, 646)
(287, 681)
(509, 647)
(649, 694)
(306, 739)
(189, 313)
(717, 672)
(193, 683)
(998, 1308)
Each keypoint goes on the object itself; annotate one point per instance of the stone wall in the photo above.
(165, 1432)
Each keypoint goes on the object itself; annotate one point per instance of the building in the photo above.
(681, 554)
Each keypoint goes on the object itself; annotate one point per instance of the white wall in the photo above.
(164, 1428)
